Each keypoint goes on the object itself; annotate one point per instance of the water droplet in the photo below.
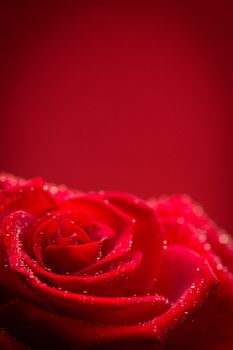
(84, 291)
(165, 244)
(223, 238)
(180, 220)
(99, 256)
(133, 221)
(207, 246)
(53, 189)
(198, 209)
(130, 243)
(198, 269)
(219, 266)
(202, 235)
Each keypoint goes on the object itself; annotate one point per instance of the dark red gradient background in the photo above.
(132, 96)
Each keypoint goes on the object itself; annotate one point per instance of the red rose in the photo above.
(108, 269)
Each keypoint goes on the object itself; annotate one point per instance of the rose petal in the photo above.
(47, 330)
(212, 329)
(147, 237)
(8, 180)
(10, 343)
(63, 259)
(189, 292)
(186, 223)
(30, 197)
(180, 268)
(114, 282)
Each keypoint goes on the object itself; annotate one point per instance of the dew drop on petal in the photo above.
(223, 238)
(202, 235)
(130, 243)
(53, 189)
(207, 246)
(198, 210)
(99, 256)
(165, 244)
(219, 266)
(180, 220)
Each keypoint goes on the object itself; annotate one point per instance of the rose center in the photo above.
(68, 242)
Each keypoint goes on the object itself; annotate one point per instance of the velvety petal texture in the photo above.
(106, 269)
(186, 224)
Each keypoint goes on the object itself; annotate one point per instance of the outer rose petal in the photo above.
(59, 332)
(189, 292)
(9, 343)
(150, 333)
(147, 237)
(212, 329)
(9, 180)
(29, 196)
(186, 223)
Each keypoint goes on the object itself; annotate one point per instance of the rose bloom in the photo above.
(109, 270)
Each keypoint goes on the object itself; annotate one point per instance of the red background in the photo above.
(132, 96)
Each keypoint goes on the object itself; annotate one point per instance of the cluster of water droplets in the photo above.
(11, 179)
